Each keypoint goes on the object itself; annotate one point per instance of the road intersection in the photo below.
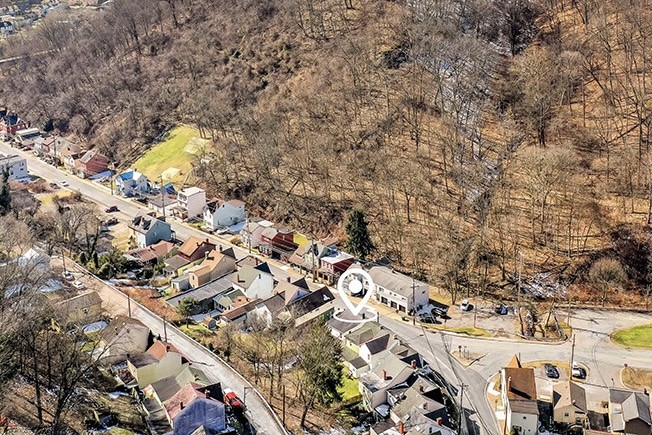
(593, 347)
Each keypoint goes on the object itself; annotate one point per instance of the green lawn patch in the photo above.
(173, 157)
(197, 332)
(349, 388)
(638, 336)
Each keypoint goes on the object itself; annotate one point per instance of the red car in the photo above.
(232, 400)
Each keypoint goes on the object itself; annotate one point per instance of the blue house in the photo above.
(132, 183)
(203, 414)
(147, 230)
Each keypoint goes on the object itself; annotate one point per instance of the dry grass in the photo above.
(636, 378)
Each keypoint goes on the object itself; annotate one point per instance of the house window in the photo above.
(566, 414)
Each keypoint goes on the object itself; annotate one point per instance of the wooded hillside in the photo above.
(468, 130)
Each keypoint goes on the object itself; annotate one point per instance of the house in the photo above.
(215, 265)
(629, 412)
(306, 257)
(68, 155)
(218, 213)
(519, 398)
(15, 165)
(195, 249)
(255, 282)
(131, 183)
(204, 295)
(343, 324)
(397, 290)
(377, 348)
(418, 398)
(124, 336)
(174, 266)
(154, 253)
(160, 361)
(194, 407)
(163, 390)
(252, 231)
(390, 372)
(91, 163)
(230, 300)
(147, 230)
(569, 404)
(80, 308)
(9, 124)
(317, 305)
(191, 203)
(277, 243)
(51, 146)
(239, 315)
(27, 136)
(333, 264)
(163, 204)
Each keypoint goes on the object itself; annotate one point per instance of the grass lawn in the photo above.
(176, 151)
(349, 388)
(638, 336)
(196, 331)
(636, 379)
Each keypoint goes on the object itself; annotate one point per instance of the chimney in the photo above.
(181, 405)
(288, 278)
(401, 427)
(384, 375)
(420, 388)
(645, 392)
(364, 315)
(207, 241)
(221, 247)
(425, 405)
(439, 421)
(414, 363)
(167, 347)
(509, 383)
(257, 261)
(238, 277)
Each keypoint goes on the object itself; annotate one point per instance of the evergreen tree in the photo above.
(359, 242)
(186, 308)
(5, 194)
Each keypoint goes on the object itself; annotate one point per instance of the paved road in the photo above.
(258, 412)
(593, 348)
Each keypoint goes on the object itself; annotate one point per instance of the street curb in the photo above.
(191, 340)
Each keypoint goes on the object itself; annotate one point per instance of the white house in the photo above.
(147, 230)
(252, 232)
(192, 201)
(132, 183)
(398, 291)
(377, 348)
(255, 282)
(160, 361)
(218, 213)
(518, 392)
(16, 165)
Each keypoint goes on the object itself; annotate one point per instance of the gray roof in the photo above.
(142, 359)
(392, 280)
(524, 406)
(378, 344)
(204, 292)
(201, 412)
(635, 405)
(342, 326)
(569, 394)
(391, 366)
(143, 223)
(175, 263)
(247, 274)
(358, 362)
(166, 388)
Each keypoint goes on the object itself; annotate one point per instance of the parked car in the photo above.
(465, 305)
(68, 276)
(231, 399)
(578, 372)
(440, 310)
(112, 221)
(551, 371)
(54, 185)
(111, 209)
(63, 183)
(427, 318)
(78, 285)
(501, 309)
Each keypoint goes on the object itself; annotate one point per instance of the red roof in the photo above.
(183, 398)
(160, 348)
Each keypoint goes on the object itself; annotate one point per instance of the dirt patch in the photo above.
(636, 378)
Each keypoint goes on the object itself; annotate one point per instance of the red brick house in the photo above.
(10, 123)
(332, 265)
(91, 163)
(277, 243)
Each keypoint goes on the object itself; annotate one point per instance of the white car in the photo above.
(64, 183)
(465, 305)
(78, 285)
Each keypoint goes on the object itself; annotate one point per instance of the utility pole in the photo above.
(312, 256)
(63, 258)
(162, 195)
(518, 291)
(461, 410)
(248, 231)
(572, 356)
(414, 303)
(129, 304)
(283, 405)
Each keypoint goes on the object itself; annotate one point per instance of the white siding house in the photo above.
(218, 213)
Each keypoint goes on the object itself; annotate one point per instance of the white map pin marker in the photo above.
(355, 286)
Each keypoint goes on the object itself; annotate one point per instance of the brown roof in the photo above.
(514, 362)
(183, 398)
(192, 244)
(520, 383)
(157, 250)
(240, 311)
(160, 348)
(212, 260)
